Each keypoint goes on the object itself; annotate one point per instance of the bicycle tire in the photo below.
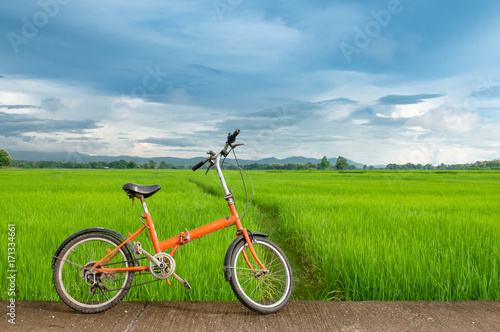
(265, 294)
(72, 283)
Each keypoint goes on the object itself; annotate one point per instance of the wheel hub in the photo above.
(88, 274)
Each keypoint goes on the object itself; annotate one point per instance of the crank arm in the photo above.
(182, 281)
(151, 258)
(139, 250)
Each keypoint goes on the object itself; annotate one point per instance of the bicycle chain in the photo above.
(144, 283)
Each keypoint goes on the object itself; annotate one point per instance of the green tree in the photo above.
(152, 164)
(119, 164)
(163, 165)
(132, 164)
(341, 163)
(441, 166)
(4, 158)
(324, 163)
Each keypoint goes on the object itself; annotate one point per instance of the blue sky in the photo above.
(375, 81)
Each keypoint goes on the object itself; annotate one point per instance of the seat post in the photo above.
(143, 202)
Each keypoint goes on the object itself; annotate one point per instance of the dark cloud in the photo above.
(272, 118)
(491, 92)
(83, 139)
(363, 112)
(230, 64)
(374, 121)
(294, 109)
(337, 101)
(18, 124)
(16, 107)
(285, 115)
(406, 99)
(52, 104)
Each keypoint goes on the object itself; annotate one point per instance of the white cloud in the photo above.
(458, 154)
(447, 118)
(418, 129)
(9, 95)
(358, 122)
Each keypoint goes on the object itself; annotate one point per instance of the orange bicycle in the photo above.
(94, 268)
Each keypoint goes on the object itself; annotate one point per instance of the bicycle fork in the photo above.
(254, 254)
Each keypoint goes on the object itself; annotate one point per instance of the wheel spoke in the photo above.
(103, 294)
(67, 261)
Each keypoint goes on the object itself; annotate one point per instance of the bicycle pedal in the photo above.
(186, 284)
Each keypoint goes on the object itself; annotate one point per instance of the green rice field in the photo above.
(355, 236)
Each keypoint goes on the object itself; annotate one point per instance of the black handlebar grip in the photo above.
(198, 165)
(232, 137)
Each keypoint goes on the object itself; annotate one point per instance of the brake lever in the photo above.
(211, 164)
(233, 146)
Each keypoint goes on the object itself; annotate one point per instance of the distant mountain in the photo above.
(85, 158)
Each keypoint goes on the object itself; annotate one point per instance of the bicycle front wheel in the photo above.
(81, 288)
(261, 292)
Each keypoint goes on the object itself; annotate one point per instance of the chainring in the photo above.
(166, 270)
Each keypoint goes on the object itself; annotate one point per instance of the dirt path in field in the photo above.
(232, 316)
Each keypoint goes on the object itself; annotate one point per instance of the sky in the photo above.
(377, 82)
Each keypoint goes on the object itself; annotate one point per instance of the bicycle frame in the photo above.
(183, 238)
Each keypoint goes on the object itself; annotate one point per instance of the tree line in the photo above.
(341, 164)
(118, 164)
(123, 164)
(491, 164)
(324, 164)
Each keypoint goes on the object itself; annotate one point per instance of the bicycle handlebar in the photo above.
(198, 165)
(231, 138)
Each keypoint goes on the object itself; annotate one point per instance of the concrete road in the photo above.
(232, 316)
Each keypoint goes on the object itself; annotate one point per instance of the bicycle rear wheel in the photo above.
(78, 286)
(264, 293)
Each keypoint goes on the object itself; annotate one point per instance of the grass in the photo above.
(394, 236)
(349, 235)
